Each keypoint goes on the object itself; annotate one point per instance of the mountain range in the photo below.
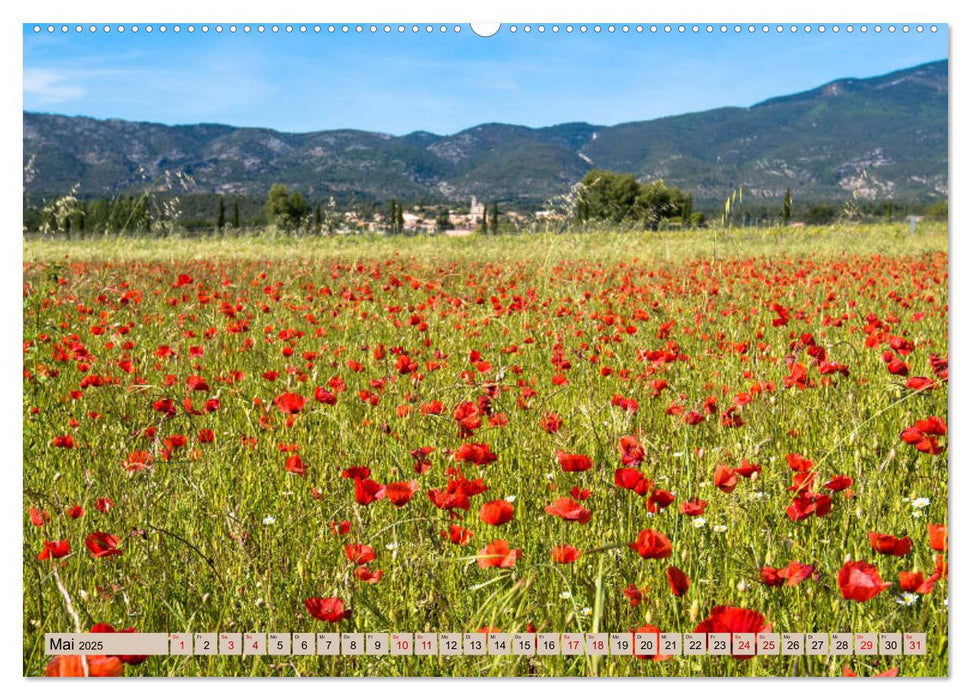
(876, 138)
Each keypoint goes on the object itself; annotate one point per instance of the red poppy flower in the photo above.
(340, 528)
(914, 582)
(565, 554)
(498, 554)
(101, 544)
(573, 463)
(634, 594)
(631, 451)
(678, 581)
(888, 544)
(295, 465)
(364, 574)
(325, 397)
(99, 666)
(367, 491)
(75, 512)
(938, 537)
(38, 517)
(771, 577)
(632, 480)
(580, 494)
(693, 418)
(496, 512)
(651, 544)
(693, 508)
(659, 500)
(137, 461)
(839, 483)
(104, 504)
(289, 403)
(807, 503)
(54, 550)
(924, 433)
(747, 469)
(551, 423)
(400, 492)
(458, 535)
(475, 453)
(725, 478)
(860, 581)
(327, 609)
(359, 553)
(798, 463)
(731, 620)
(568, 509)
(921, 383)
(791, 575)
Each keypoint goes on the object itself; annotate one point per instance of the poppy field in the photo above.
(734, 431)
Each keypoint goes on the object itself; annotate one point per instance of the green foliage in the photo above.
(937, 211)
(617, 198)
(285, 210)
(787, 207)
(221, 215)
(822, 213)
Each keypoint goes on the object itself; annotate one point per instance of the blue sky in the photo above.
(397, 83)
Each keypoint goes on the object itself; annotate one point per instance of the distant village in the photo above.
(419, 219)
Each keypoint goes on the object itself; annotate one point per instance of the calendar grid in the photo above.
(641, 644)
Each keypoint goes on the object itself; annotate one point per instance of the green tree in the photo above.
(495, 218)
(441, 220)
(221, 215)
(235, 215)
(317, 219)
(138, 219)
(284, 209)
(400, 220)
(607, 196)
(787, 207)
(393, 217)
(118, 216)
(938, 210)
(98, 216)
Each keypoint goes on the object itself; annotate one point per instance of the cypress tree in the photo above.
(235, 215)
(221, 216)
(495, 218)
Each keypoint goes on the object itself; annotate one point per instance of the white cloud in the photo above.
(44, 87)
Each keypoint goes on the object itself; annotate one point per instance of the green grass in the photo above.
(198, 557)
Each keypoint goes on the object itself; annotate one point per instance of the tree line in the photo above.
(602, 197)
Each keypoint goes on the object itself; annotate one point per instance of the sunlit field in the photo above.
(712, 431)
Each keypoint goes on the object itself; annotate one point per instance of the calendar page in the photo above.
(438, 349)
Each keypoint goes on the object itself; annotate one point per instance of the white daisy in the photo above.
(906, 598)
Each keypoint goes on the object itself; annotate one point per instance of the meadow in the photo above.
(721, 430)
